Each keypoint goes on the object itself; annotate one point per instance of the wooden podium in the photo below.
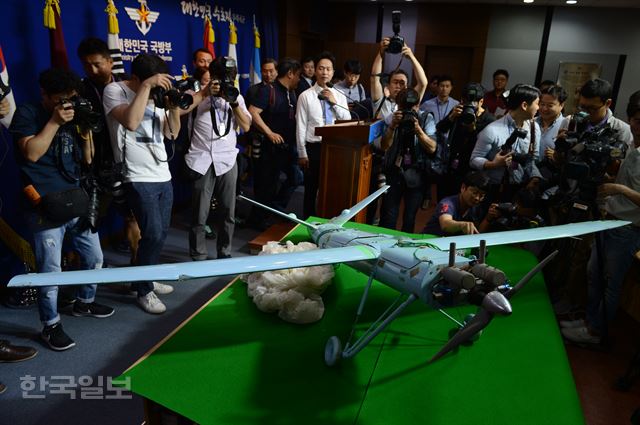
(345, 166)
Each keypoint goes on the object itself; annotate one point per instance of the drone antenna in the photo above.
(452, 254)
(483, 251)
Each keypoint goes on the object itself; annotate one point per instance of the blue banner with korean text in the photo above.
(172, 29)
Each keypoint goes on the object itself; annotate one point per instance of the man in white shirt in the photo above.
(318, 106)
(138, 124)
(212, 157)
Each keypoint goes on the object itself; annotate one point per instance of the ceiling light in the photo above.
(528, 1)
(572, 1)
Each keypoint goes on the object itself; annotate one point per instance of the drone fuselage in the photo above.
(403, 264)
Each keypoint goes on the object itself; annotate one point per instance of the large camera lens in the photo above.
(182, 100)
(468, 115)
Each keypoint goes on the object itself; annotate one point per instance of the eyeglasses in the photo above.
(591, 108)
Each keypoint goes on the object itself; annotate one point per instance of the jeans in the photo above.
(151, 203)
(618, 247)
(391, 203)
(47, 243)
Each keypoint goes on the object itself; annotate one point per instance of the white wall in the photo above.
(515, 34)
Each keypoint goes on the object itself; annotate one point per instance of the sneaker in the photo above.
(92, 310)
(572, 324)
(55, 337)
(151, 303)
(162, 288)
(580, 335)
(223, 256)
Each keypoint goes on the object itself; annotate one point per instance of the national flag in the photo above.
(209, 37)
(59, 57)
(4, 76)
(233, 40)
(113, 40)
(255, 72)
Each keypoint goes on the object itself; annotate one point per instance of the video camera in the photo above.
(176, 94)
(589, 155)
(226, 70)
(85, 117)
(396, 42)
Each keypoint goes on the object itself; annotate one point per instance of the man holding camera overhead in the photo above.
(139, 115)
(212, 156)
(52, 143)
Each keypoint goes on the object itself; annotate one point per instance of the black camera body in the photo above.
(589, 157)
(396, 41)
(225, 70)
(406, 105)
(472, 94)
(85, 117)
(176, 94)
(518, 133)
(5, 89)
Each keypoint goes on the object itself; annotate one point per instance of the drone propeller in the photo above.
(492, 303)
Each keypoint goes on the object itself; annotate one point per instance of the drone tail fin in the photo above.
(347, 215)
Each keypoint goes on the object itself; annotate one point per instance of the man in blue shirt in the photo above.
(462, 213)
(49, 152)
(441, 105)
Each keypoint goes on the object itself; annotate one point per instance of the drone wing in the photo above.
(526, 235)
(199, 269)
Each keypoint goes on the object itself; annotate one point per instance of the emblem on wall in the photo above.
(143, 17)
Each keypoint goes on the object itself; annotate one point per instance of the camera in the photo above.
(472, 93)
(175, 94)
(407, 100)
(5, 89)
(85, 117)
(225, 70)
(396, 42)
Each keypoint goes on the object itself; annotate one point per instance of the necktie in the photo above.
(328, 113)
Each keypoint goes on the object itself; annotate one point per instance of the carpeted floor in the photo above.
(54, 387)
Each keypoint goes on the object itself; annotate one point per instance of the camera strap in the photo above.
(532, 143)
(214, 121)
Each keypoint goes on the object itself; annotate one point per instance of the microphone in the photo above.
(323, 97)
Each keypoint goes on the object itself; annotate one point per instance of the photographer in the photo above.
(273, 114)
(462, 213)
(459, 133)
(220, 110)
(622, 202)
(407, 141)
(50, 151)
(595, 99)
(103, 176)
(137, 128)
(508, 147)
(398, 80)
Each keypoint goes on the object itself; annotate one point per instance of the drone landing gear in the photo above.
(333, 351)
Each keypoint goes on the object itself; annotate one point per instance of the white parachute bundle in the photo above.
(293, 293)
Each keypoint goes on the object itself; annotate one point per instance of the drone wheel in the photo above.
(332, 351)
